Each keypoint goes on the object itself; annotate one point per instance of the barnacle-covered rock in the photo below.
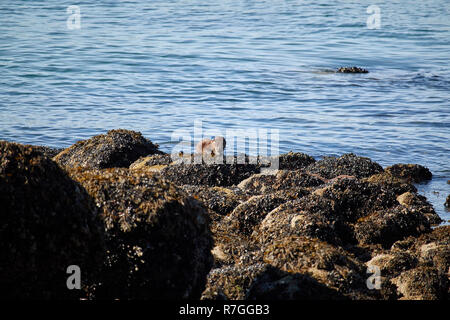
(154, 161)
(231, 282)
(117, 148)
(395, 184)
(311, 216)
(387, 226)
(329, 265)
(422, 283)
(249, 214)
(48, 223)
(158, 238)
(417, 202)
(221, 200)
(283, 180)
(294, 161)
(275, 284)
(410, 172)
(221, 175)
(348, 164)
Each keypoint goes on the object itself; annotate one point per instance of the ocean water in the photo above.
(157, 66)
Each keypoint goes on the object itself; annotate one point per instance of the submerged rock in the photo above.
(117, 148)
(348, 164)
(410, 172)
(447, 202)
(158, 238)
(352, 70)
(48, 223)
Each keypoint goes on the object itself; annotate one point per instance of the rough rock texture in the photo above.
(221, 175)
(283, 180)
(410, 172)
(421, 283)
(387, 226)
(294, 161)
(221, 200)
(447, 202)
(117, 148)
(329, 265)
(48, 151)
(151, 161)
(232, 282)
(157, 237)
(397, 185)
(275, 284)
(417, 202)
(48, 222)
(246, 216)
(348, 164)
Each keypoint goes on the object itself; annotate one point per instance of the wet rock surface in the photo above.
(153, 227)
(48, 223)
(352, 70)
(117, 148)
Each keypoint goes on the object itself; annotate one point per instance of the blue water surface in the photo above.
(156, 66)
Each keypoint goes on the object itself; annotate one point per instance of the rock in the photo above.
(421, 283)
(48, 151)
(221, 175)
(294, 161)
(274, 284)
(353, 199)
(221, 200)
(447, 202)
(410, 172)
(351, 70)
(431, 249)
(248, 215)
(311, 216)
(117, 148)
(393, 263)
(387, 226)
(158, 238)
(419, 203)
(283, 180)
(348, 164)
(329, 265)
(48, 223)
(151, 161)
(231, 282)
(388, 181)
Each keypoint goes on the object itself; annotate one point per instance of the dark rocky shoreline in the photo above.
(141, 226)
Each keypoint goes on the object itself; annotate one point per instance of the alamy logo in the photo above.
(374, 281)
(374, 20)
(74, 20)
(74, 280)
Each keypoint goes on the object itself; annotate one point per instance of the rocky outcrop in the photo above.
(410, 172)
(117, 148)
(352, 70)
(157, 237)
(48, 223)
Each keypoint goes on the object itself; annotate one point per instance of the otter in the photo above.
(211, 147)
